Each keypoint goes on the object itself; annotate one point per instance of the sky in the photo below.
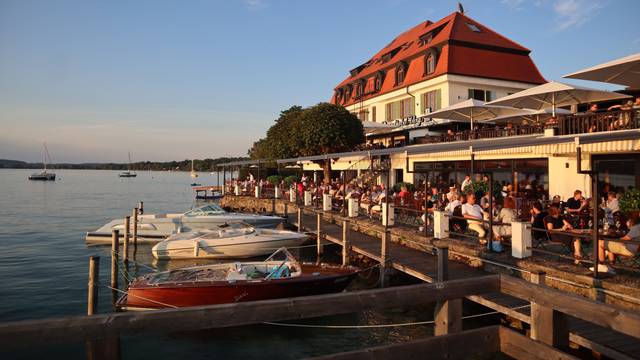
(173, 80)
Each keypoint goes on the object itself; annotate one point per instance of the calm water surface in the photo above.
(44, 263)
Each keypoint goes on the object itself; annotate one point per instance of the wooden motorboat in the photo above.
(233, 240)
(235, 282)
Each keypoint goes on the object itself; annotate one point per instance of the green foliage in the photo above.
(630, 201)
(274, 179)
(409, 186)
(482, 187)
(321, 129)
(289, 180)
(184, 165)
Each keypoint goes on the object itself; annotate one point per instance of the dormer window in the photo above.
(425, 39)
(401, 72)
(347, 93)
(360, 88)
(474, 27)
(430, 61)
(338, 96)
(377, 82)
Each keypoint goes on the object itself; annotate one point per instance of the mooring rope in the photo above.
(377, 326)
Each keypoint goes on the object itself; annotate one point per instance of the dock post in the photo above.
(345, 243)
(286, 212)
(115, 242)
(92, 288)
(125, 245)
(134, 213)
(319, 235)
(299, 219)
(383, 258)
(141, 206)
(448, 314)
(547, 325)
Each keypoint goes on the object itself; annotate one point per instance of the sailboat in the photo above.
(194, 174)
(128, 173)
(44, 175)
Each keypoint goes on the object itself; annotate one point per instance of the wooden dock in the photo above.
(423, 265)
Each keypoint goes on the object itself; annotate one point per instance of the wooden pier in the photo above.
(423, 265)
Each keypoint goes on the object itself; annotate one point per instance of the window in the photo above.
(480, 94)
(474, 27)
(430, 101)
(401, 72)
(347, 93)
(430, 63)
(363, 115)
(400, 109)
(425, 39)
(377, 85)
(360, 89)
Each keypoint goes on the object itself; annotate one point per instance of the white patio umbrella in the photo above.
(475, 110)
(553, 95)
(532, 115)
(623, 71)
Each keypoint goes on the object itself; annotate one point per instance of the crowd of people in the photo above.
(469, 207)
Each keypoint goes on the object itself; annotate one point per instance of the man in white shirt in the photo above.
(473, 211)
(465, 183)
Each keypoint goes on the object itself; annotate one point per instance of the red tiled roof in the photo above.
(460, 51)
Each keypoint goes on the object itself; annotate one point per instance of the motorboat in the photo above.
(153, 228)
(128, 173)
(276, 277)
(236, 240)
(44, 175)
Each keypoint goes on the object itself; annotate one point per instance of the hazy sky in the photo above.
(180, 79)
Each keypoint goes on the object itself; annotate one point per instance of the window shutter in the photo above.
(488, 96)
(470, 94)
(438, 104)
(373, 113)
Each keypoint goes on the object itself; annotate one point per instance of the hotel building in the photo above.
(437, 64)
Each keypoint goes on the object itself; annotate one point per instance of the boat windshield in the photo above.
(207, 210)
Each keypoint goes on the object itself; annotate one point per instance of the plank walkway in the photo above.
(423, 265)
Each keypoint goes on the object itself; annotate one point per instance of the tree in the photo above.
(321, 129)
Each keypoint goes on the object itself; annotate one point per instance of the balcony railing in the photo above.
(601, 121)
(481, 134)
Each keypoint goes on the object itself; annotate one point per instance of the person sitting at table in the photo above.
(473, 212)
(618, 248)
(537, 220)
(405, 195)
(366, 201)
(455, 203)
(506, 215)
(555, 223)
(576, 204)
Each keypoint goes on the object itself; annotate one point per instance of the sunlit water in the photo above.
(44, 265)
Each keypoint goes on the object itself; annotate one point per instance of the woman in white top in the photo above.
(506, 215)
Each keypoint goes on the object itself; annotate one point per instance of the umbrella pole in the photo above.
(553, 105)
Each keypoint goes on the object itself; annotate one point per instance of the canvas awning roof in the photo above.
(475, 110)
(623, 71)
(555, 94)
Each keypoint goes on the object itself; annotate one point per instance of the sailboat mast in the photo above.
(44, 156)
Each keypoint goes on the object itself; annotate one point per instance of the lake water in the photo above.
(44, 265)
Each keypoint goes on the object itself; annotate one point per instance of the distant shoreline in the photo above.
(204, 165)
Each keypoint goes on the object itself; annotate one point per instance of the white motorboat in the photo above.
(153, 228)
(235, 240)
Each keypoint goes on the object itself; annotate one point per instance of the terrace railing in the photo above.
(598, 122)
(481, 134)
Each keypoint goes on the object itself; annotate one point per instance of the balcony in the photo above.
(568, 125)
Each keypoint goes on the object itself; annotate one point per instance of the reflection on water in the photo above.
(44, 266)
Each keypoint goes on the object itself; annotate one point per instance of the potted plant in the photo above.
(630, 202)
(274, 179)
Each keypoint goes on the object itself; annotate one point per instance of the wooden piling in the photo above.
(448, 314)
(134, 213)
(383, 258)
(92, 288)
(299, 219)
(345, 243)
(125, 245)
(286, 212)
(319, 235)
(141, 207)
(115, 242)
(547, 325)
